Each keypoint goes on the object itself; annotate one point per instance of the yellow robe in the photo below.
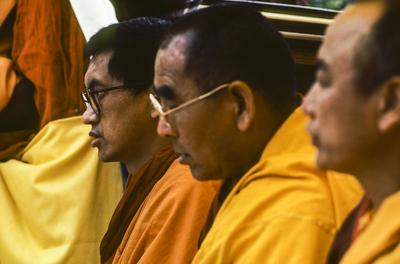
(379, 243)
(56, 198)
(283, 210)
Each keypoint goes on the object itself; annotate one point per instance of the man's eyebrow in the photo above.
(164, 91)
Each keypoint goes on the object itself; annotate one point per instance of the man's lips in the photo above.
(315, 140)
(314, 136)
(185, 158)
(96, 138)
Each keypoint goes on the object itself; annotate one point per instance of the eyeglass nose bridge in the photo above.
(162, 116)
(89, 102)
(85, 99)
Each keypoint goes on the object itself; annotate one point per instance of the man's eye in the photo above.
(323, 80)
(100, 95)
(324, 83)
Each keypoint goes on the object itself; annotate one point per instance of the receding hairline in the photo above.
(364, 40)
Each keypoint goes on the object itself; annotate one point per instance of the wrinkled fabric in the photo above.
(284, 209)
(167, 225)
(137, 188)
(8, 147)
(56, 198)
(48, 50)
(379, 243)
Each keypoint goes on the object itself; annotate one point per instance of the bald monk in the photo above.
(163, 209)
(354, 108)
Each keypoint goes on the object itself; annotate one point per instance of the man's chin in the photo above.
(324, 163)
(201, 175)
(196, 173)
(321, 162)
(105, 157)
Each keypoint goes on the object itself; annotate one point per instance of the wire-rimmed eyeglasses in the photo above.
(162, 114)
(90, 98)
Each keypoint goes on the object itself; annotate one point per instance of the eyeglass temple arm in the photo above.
(201, 97)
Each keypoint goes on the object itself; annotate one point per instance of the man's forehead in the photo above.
(98, 61)
(178, 44)
(98, 68)
(170, 63)
(343, 36)
(172, 58)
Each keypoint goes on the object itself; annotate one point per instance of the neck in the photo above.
(135, 162)
(380, 178)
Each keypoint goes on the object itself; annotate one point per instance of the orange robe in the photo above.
(47, 48)
(166, 226)
(380, 241)
(5, 8)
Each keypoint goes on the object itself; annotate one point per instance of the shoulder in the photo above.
(179, 181)
(278, 201)
(299, 189)
(177, 188)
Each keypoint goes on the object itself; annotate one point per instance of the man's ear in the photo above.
(244, 101)
(390, 104)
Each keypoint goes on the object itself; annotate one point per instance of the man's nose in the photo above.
(164, 129)
(89, 116)
(308, 103)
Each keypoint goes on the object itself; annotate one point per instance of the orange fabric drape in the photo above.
(5, 8)
(137, 188)
(48, 50)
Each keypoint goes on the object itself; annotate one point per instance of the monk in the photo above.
(50, 177)
(225, 96)
(354, 110)
(163, 209)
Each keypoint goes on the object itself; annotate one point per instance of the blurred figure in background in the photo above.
(354, 110)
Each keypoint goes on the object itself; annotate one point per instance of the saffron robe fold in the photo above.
(167, 225)
(284, 209)
(48, 49)
(379, 243)
(56, 198)
(137, 188)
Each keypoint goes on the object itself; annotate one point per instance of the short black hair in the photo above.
(377, 57)
(230, 42)
(134, 44)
